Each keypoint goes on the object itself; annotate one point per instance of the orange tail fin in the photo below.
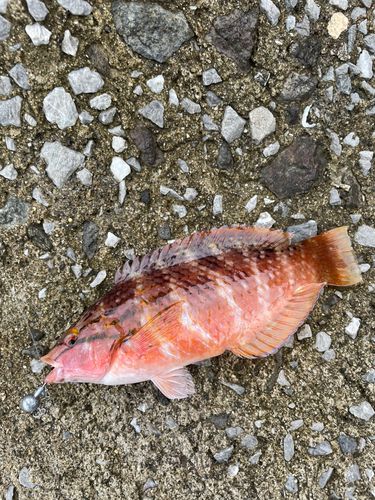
(334, 257)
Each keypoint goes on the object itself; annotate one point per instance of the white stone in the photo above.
(265, 220)
(334, 197)
(3, 6)
(208, 123)
(232, 125)
(85, 176)
(85, 81)
(262, 123)
(5, 27)
(272, 12)
(365, 236)
(282, 380)
(179, 210)
(173, 99)
(69, 45)
(351, 140)
(364, 64)
(138, 90)
(112, 240)
(118, 144)
(38, 34)
(210, 76)
(10, 144)
(37, 365)
(337, 25)
(59, 108)
(251, 204)
(85, 117)
(37, 9)
(10, 112)
(271, 150)
(341, 4)
(156, 84)
(101, 102)
(304, 332)
(353, 327)
(119, 168)
(290, 23)
(5, 86)
(30, 120)
(88, 148)
(76, 7)
(39, 197)
(190, 106)
(288, 447)
(61, 161)
(312, 9)
(106, 117)
(121, 192)
(19, 74)
(323, 341)
(364, 411)
(9, 172)
(154, 112)
(99, 278)
(190, 194)
(217, 207)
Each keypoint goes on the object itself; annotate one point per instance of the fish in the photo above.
(240, 289)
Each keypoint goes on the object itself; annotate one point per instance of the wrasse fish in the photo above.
(239, 289)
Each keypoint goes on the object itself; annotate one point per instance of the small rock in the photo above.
(173, 99)
(213, 100)
(325, 477)
(233, 432)
(85, 81)
(353, 327)
(348, 444)
(224, 157)
(190, 194)
(224, 455)
(37, 9)
(13, 213)
(296, 169)
(85, 117)
(364, 64)
(265, 220)
(149, 29)
(118, 144)
(59, 108)
(351, 140)
(307, 51)
(39, 238)
(99, 58)
(10, 112)
(61, 161)
(217, 207)
(334, 198)
(312, 9)
(254, 459)
(232, 125)
(9, 172)
(76, 7)
(211, 76)
(282, 380)
(106, 117)
(29, 404)
(363, 411)
(323, 341)
(99, 278)
(251, 204)
(288, 447)
(317, 426)
(272, 12)
(38, 34)
(145, 141)
(337, 25)
(262, 123)
(303, 231)
(365, 161)
(101, 102)
(271, 150)
(85, 176)
(208, 123)
(291, 484)
(149, 484)
(298, 87)
(5, 86)
(233, 470)
(249, 442)
(121, 192)
(321, 449)
(179, 210)
(39, 196)
(90, 239)
(156, 84)
(365, 236)
(154, 112)
(238, 389)
(304, 332)
(370, 42)
(190, 106)
(164, 231)
(20, 76)
(5, 27)
(296, 424)
(69, 45)
(184, 167)
(119, 168)
(352, 473)
(235, 36)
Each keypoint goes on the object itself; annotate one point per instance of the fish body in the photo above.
(239, 289)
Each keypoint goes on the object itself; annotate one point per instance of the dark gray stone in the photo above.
(353, 197)
(224, 157)
(220, 421)
(39, 238)
(90, 238)
(13, 213)
(149, 29)
(99, 58)
(145, 141)
(164, 231)
(348, 445)
(307, 51)
(298, 87)
(296, 169)
(235, 36)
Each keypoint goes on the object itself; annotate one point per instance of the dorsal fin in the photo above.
(205, 244)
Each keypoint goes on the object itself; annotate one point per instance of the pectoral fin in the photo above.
(176, 384)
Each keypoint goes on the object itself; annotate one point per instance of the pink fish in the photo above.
(239, 289)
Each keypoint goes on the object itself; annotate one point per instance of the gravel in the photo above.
(37, 9)
(352, 328)
(211, 76)
(69, 44)
(348, 445)
(324, 477)
(272, 12)
(363, 411)
(61, 161)
(38, 34)
(154, 111)
(262, 123)
(10, 112)
(365, 236)
(5, 85)
(101, 102)
(59, 108)
(190, 106)
(156, 84)
(13, 213)
(232, 125)
(298, 87)
(303, 231)
(224, 455)
(321, 449)
(90, 239)
(288, 447)
(149, 29)
(85, 81)
(5, 28)
(119, 168)
(20, 76)
(76, 7)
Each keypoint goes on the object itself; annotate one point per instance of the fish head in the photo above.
(80, 355)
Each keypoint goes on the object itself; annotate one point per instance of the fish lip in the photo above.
(55, 376)
(48, 360)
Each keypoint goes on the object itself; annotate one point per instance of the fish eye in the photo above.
(70, 340)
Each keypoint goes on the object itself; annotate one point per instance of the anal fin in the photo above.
(285, 323)
(176, 384)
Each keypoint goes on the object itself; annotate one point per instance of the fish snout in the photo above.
(55, 376)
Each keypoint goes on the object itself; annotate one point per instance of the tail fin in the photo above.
(334, 257)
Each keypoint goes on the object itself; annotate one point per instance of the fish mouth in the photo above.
(49, 360)
(57, 374)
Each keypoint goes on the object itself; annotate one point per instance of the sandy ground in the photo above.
(91, 442)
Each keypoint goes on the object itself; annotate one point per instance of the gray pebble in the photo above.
(150, 30)
(352, 473)
(238, 389)
(85, 176)
(59, 108)
(3, 6)
(85, 117)
(233, 432)
(224, 157)
(348, 444)
(365, 236)
(20, 76)
(101, 102)
(232, 125)
(212, 99)
(217, 207)
(85, 81)
(184, 167)
(10, 112)
(303, 231)
(29, 404)
(156, 84)
(190, 106)
(90, 238)
(271, 149)
(106, 117)
(249, 442)
(251, 204)
(288, 447)
(39, 197)
(190, 194)
(13, 213)
(321, 449)
(38, 34)
(364, 64)
(9, 172)
(363, 411)
(9, 494)
(272, 12)
(369, 376)
(370, 42)
(5, 27)
(323, 341)
(61, 161)
(224, 455)
(69, 45)
(312, 9)
(262, 123)
(304, 332)
(37, 9)
(38, 237)
(179, 210)
(324, 477)
(118, 144)
(334, 198)
(154, 112)
(5, 86)
(209, 124)
(211, 76)
(291, 484)
(254, 459)
(173, 99)
(76, 7)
